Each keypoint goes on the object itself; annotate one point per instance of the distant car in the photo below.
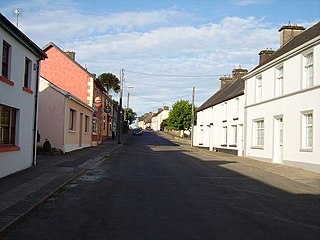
(137, 131)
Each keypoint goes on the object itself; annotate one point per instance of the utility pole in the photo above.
(120, 122)
(192, 116)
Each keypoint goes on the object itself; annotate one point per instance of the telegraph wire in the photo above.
(175, 75)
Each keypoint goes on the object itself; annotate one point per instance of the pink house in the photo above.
(61, 69)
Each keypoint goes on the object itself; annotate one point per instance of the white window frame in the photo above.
(234, 132)
(72, 119)
(258, 129)
(8, 74)
(225, 135)
(27, 73)
(86, 123)
(308, 69)
(279, 81)
(225, 111)
(236, 108)
(258, 88)
(307, 130)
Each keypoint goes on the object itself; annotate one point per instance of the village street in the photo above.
(152, 188)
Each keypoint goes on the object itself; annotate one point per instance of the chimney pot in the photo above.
(288, 32)
(71, 54)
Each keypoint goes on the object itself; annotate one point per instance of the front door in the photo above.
(278, 140)
(80, 129)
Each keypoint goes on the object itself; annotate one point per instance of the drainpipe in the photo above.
(35, 122)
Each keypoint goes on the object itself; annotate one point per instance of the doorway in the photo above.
(278, 140)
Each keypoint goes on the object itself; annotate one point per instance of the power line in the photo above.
(175, 75)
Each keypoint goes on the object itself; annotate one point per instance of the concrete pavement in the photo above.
(21, 192)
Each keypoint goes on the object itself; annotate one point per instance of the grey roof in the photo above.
(234, 89)
(6, 25)
(300, 39)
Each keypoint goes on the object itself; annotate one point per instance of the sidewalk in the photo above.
(23, 191)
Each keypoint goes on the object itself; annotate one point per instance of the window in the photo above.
(7, 125)
(234, 135)
(72, 120)
(6, 49)
(236, 109)
(86, 124)
(225, 135)
(95, 125)
(308, 70)
(279, 82)
(258, 89)
(225, 111)
(27, 73)
(258, 133)
(307, 130)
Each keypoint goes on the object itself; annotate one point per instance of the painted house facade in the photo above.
(282, 104)
(159, 117)
(220, 119)
(61, 69)
(64, 120)
(19, 81)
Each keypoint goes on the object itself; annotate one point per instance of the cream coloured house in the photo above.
(64, 119)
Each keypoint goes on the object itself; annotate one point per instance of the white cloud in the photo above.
(152, 42)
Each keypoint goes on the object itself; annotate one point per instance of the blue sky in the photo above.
(165, 46)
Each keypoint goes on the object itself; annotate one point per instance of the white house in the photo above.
(19, 82)
(64, 119)
(158, 118)
(282, 105)
(220, 119)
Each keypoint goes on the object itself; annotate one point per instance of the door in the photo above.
(80, 129)
(240, 141)
(278, 140)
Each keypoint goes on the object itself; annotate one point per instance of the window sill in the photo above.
(9, 148)
(72, 131)
(28, 90)
(224, 145)
(306, 150)
(233, 145)
(86, 133)
(257, 147)
(7, 81)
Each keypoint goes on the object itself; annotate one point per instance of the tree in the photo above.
(180, 116)
(109, 81)
(130, 115)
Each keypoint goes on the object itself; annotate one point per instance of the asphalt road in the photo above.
(152, 189)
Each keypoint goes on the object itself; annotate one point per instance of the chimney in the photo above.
(166, 108)
(265, 55)
(288, 32)
(238, 72)
(71, 54)
(225, 81)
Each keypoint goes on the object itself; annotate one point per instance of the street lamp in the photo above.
(128, 96)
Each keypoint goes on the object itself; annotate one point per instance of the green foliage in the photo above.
(109, 81)
(130, 115)
(180, 116)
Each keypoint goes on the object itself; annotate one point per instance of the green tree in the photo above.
(109, 81)
(130, 115)
(180, 116)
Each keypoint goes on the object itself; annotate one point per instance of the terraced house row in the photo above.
(271, 113)
(46, 95)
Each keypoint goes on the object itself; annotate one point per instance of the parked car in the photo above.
(137, 131)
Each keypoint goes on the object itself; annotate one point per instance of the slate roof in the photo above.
(234, 89)
(300, 39)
